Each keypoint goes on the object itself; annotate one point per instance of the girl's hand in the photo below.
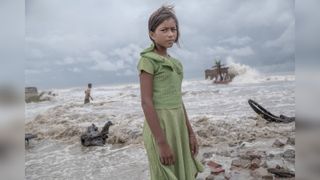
(166, 154)
(193, 145)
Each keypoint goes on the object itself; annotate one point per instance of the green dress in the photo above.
(167, 99)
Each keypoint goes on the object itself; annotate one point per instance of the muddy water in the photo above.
(220, 115)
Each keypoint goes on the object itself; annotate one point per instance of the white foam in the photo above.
(61, 121)
(121, 103)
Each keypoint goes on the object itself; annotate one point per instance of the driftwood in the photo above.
(29, 136)
(92, 137)
(267, 115)
(281, 172)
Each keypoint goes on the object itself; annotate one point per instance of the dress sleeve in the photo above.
(145, 65)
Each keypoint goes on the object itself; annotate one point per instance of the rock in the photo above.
(216, 177)
(213, 164)
(236, 163)
(261, 173)
(271, 155)
(242, 163)
(281, 172)
(291, 141)
(215, 168)
(92, 137)
(255, 163)
(202, 133)
(274, 163)
(210, 177)
(239, 175)
(250, 155)
(289, 154)
(224, 153)
(227, 176)
(267, 177)
(277, 144)
(232, 144)
(207, 155)
(217, 171)
(219, 177)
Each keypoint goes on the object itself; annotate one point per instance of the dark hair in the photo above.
(160, 15)
(89, 85)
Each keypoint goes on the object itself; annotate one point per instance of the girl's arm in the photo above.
(146, 87)
(190, 130)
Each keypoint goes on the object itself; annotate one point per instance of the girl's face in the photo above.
(165, 34)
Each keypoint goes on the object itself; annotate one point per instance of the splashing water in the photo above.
(244, 73)
(58, 123)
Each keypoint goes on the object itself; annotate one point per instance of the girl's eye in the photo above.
(164, 30)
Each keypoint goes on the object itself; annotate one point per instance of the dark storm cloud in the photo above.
(73, 42)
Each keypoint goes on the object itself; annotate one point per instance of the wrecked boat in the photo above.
(219, 73)
(267, 115)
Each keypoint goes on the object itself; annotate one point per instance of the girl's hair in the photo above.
(160, 15)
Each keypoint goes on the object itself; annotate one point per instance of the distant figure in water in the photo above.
(87, 94)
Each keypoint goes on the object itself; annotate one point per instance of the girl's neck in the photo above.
(161, 51)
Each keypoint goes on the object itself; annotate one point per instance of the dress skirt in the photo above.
(173, 123)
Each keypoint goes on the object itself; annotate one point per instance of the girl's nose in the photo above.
(170, 33)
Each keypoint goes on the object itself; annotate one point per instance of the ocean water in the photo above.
(58, 154)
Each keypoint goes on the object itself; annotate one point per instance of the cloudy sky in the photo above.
(70, 43)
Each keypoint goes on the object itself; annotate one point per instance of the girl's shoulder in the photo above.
(147, 64)
(146, 60)
(176, 61)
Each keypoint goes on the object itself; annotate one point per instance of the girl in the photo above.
(169, 140)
